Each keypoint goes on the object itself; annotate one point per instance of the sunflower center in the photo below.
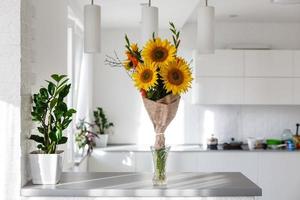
(159, 54)
(175, 77)
(146, 76)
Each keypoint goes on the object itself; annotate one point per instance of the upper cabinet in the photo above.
(223, 63)
(297, 63)
(269, 63)
(258, 77)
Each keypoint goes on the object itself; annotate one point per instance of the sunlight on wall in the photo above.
(9, 169)
(174, 133)
(208, 126)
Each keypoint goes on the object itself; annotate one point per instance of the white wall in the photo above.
(11, 99)
(114, 91)
(50, 42)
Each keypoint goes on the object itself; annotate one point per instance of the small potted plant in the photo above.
(52, 117)
(85, 137)
(102, 125)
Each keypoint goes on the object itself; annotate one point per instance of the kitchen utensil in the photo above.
(212, 143)
(296, 138)
(251, 143)
(287, 135)
(233, 145)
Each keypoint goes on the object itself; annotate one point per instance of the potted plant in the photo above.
(85, 137)
(102, 125)
(52, 117)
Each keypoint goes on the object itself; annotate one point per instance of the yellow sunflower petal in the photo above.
(134, 47)
(145, 76)
(159, 52)
(177, 76)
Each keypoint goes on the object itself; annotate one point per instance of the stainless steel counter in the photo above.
(101, 184)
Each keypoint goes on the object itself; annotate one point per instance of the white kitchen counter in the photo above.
(176, 148)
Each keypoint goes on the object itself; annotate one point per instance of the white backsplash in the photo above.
(239, 122)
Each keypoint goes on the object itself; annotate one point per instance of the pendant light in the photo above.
(206, 29)
(92, 23)
(149, 22)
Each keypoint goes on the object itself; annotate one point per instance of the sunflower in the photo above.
(128, 65)
(159, 52)
(177, 76)
(145, 76)
(134, 47)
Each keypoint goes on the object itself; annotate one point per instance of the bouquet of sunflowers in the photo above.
(161, 76)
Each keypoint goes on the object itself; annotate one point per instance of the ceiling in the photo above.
(251, 11)
(127, 13)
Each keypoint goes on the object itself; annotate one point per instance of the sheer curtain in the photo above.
(80, 71)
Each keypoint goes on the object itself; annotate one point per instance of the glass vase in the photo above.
(160, 163)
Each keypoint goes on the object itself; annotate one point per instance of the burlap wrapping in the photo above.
(161, 113)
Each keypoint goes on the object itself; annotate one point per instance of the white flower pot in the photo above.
(45, 168)
(101, 140)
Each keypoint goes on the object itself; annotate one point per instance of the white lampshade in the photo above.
(206, 30)
(149, 22)
(92, 24)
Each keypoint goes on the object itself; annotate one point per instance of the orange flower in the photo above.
(133, 59)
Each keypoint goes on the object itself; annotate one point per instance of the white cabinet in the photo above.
(244, 162)
(297, 63)
(279, 175)
(259, 77)
(177, 162)
(103, 161)
(221, 63)
(297, 91)
(269, 91)
(213, 90)
(269, 63)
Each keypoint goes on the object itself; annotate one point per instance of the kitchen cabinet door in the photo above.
(269, 91)
(228, 63)
(279, 175)
(297, 63)
(183, 162)
(103, 161)
(297, 91)
(218, 90)
(177, 162)
(143, 162)
(269, 63)
(244, 162)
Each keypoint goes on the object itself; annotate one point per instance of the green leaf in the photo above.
(41, 130)
(70, 112)
(127, 40)
(53, 103)
(55, 77)
(63, 140)
(63, 83)
(37, 139)
(65, 91)
(52, 135)
(58, 134)
(44, 93)
(51, 88)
